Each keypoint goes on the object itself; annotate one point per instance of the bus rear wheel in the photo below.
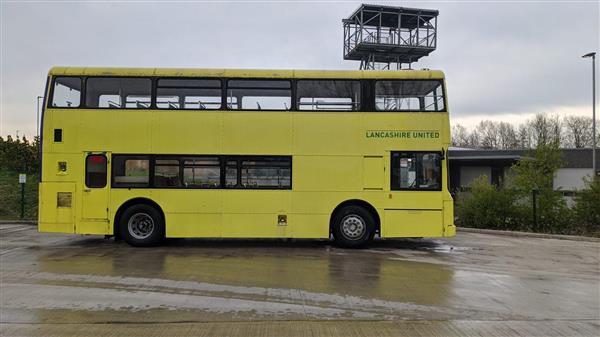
(353, 226)
(142, 226)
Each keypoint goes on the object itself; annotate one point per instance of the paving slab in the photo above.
(475, 284)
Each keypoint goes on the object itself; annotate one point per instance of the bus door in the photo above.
(95, 194)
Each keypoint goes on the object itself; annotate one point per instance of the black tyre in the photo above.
(353, 226)
(142, 226)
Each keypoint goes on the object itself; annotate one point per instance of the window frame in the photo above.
(420, 189)
(440, 80)
(367, 93)
(150, 169)
(223, 159)
(155, 88)
(50, 101)
(166, 158)
(239, 164)
(86, 181)
(363, 87)
(151, 106)
(183, 166)
(225, 90)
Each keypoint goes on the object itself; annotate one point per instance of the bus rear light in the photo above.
(98, 159)
(63, 199)
(282, 220)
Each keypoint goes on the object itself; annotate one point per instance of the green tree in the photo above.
(485, 205)
(537, 173)
(587, 208)
(19, 155)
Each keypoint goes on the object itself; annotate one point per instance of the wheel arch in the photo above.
(360, 203)
(136, 201)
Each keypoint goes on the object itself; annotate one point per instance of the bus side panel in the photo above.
(256, 133)
(449, 228)
(192, 212)
(199, 134)
(255, 213)
(193, 225)
(236, 225)
(327, 133)
(310, 226)
(412, 223)
(406, 123)
(327, 173)
(320, 184)
(57, 207)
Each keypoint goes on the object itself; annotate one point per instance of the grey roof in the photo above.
(573, 158)
(390, 15)
(579, 158)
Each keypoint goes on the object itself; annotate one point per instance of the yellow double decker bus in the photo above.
(148, 154)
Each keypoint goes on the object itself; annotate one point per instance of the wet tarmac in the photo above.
(470, 285)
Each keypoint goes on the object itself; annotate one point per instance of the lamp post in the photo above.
(37, 119)
(593, 56)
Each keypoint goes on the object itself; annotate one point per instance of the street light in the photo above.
(37, 120)
(593, 56)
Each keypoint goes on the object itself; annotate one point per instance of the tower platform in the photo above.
(387, 34)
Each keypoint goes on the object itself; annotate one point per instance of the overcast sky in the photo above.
(504, 60)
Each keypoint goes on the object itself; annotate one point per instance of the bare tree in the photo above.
(572, 131)
(489, 134)
(507, 137)
(460, 135)
(524, 138)
(545, 130)
(578, 131)
(474, 139)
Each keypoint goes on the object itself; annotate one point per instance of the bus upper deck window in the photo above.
(328, 95)
(66, 92)
(118, 92)
(409, 95)
(254, 94)
(196, 94)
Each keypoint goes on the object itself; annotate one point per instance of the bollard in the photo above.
(22, 180)
(534, 193)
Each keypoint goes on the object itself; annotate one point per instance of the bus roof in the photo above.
(249, 73)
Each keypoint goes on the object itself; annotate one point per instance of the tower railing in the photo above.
(385, 34)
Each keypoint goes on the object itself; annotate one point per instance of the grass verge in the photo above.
(10, 196)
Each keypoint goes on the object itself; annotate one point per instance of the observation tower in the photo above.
(381, 37)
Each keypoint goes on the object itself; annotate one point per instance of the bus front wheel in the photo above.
(141, 226)
(353, 226)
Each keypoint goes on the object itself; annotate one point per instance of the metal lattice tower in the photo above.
(379, 36)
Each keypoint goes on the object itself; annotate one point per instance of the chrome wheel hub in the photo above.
(140, 226)
(353, 227)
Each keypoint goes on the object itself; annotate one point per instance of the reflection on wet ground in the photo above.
(61, 279)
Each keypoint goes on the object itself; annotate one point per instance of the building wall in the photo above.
(570, 179)
(469, 173)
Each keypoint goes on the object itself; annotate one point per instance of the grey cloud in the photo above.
(498, 57)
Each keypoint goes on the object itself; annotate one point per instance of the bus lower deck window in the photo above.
(131, 171)
(416, 171)
(166, 173)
